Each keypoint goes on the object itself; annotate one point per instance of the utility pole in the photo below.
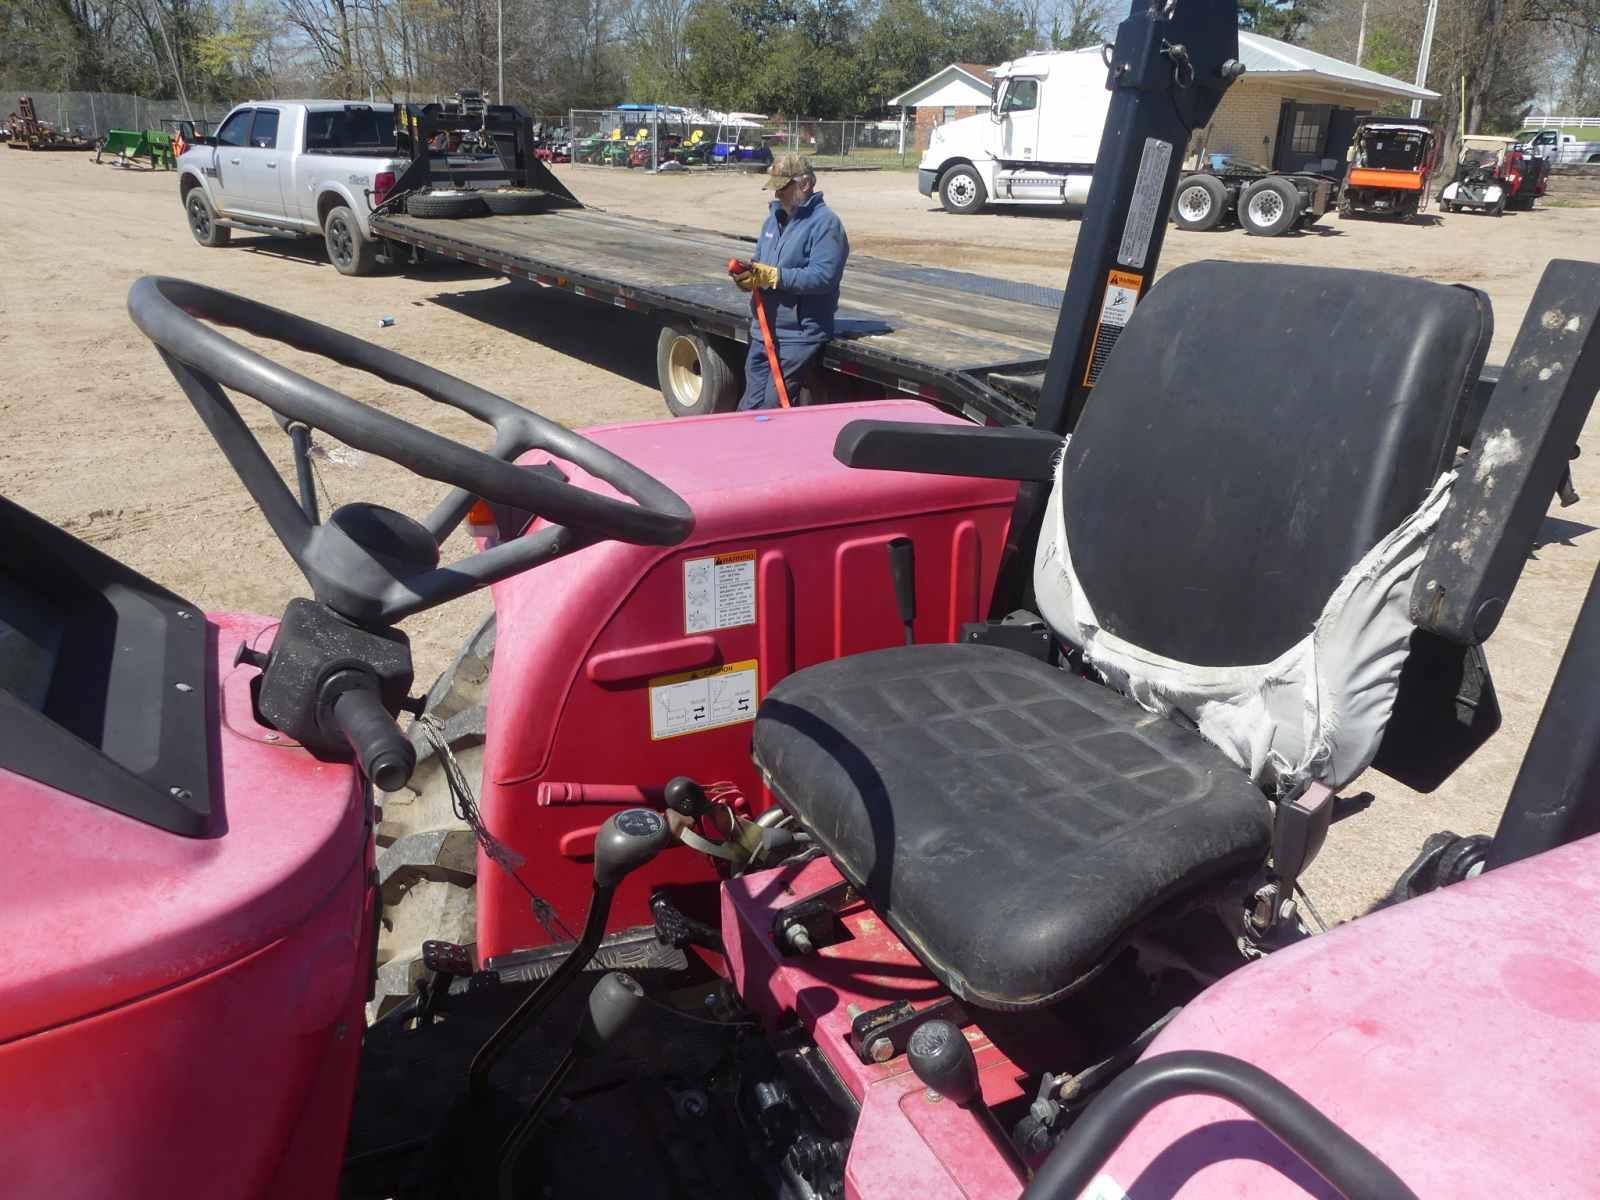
(500, 47)
(1361, 34)
(1427, 49)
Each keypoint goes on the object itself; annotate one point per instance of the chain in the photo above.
(465, 805)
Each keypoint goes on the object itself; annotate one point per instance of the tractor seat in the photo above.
(1220, 497)
(1009, 820)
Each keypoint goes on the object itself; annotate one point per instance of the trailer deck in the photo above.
(938, 334)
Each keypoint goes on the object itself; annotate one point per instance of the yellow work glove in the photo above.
(760, 275)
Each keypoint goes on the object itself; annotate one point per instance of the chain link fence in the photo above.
(94, 114)
(665, 138)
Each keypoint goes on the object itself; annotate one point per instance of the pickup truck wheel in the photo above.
(961, 191)
(1269, 207)
(349, 250)
(697, 375)
(203, 220)
(1200, 202)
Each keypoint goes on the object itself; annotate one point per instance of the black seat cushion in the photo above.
(1010, 821)
(1221, 481)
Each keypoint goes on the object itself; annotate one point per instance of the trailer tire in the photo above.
(961, 191)
(444, 205)
(1200, 202)
(203, 220)
(1269, 207)
(349, 250)
(696, 372)
(511, 202)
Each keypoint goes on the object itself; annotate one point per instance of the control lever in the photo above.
(903, 567)
(386, 755)
(627, 841)
(613, 1005)
(942, 1059)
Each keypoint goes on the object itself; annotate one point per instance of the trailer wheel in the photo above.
(445, 205)
(203, 220)
(508, 202)
(349, 250)
(1269, 207)
(696, 373)
(961, 191)
(427, 857)
(1200, 203)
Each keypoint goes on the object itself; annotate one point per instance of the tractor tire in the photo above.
(961, 191)
(203, 220)
(1269, 207)
(511, 202)
(427, 857)
(349, 250)
(698, 374)
(1200, 202)
(445, 206)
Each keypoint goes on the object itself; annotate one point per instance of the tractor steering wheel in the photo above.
(370, 564)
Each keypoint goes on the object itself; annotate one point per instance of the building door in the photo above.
(1302, 136)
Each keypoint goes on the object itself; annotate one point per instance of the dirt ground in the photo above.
(99, 439)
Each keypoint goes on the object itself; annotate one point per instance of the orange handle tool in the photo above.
(737, 266)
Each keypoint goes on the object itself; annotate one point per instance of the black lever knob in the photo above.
(627, 841)
(942, 1059)
(684, 795)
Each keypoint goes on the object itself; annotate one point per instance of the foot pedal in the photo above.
(446, 958)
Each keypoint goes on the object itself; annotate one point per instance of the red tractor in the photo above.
(861, 803)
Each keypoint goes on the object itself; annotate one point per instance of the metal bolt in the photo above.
(184, 687)
(272, 737)
(183, 615)
(854, 1010)
(880, 1050)
(180, 793)
(799, 939)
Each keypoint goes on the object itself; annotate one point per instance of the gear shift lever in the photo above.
(942, 1059)
(613, 1005)
(627, 841)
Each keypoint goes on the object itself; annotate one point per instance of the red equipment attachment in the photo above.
(737, 267)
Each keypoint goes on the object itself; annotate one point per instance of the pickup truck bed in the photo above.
(922, 331)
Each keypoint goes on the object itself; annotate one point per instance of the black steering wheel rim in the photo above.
(170, 312)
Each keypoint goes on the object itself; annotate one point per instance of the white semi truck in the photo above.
(1036, 144)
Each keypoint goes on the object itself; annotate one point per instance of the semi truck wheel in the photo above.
(1270, 207)
(961, 191)
(203, 220)
(349, 250)
(1200, 203)
(698, 374)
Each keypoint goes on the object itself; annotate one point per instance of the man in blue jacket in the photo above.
(798, 263)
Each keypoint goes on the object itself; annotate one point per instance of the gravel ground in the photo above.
(99, 440)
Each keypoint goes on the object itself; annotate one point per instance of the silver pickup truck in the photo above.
(313, 168)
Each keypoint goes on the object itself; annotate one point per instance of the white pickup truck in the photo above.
(313, 168)
(1559, 146)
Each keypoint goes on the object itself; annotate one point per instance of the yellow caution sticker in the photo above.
(1122, 293)
(694, 701)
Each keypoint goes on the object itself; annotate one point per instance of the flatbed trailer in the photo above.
(971, 344)
(901, 329)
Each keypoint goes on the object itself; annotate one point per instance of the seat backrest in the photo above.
(1256, 430)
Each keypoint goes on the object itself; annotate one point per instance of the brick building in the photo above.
(1293, 108)
(959, 90)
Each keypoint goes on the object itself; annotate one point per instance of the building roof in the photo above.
(1263, 57)
(979, 77)
(1281, 62)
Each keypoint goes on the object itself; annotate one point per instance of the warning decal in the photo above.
(697, 700)
(1122, 293)
(720, 592)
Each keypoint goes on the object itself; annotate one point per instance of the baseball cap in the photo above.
(786, 167)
